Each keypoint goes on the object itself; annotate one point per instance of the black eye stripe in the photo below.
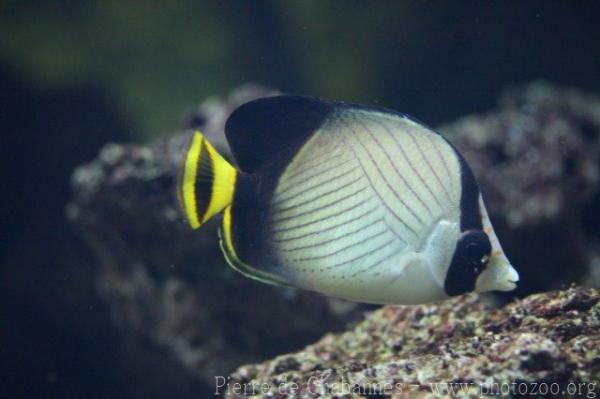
(470, 259)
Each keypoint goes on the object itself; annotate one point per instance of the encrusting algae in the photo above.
(421, 351)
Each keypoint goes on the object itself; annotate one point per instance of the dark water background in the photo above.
(74, 75)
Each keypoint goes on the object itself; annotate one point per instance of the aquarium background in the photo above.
(76, 75)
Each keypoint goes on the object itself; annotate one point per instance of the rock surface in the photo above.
(429, 350)
(184, 316)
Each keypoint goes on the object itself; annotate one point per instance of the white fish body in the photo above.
(372, 220)
(354, 202)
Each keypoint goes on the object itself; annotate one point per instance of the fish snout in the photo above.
(499, 275)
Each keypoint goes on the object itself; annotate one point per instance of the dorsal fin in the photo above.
(259, 130)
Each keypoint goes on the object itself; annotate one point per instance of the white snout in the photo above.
(499, 275)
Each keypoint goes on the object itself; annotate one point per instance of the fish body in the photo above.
(354, 202)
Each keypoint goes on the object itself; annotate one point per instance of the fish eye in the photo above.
(470, 258)
(477, 250)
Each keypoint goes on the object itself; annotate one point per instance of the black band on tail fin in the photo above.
(206, 182)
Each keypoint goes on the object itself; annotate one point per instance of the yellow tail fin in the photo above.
(206, 182)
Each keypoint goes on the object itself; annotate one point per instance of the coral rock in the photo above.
(429, 350)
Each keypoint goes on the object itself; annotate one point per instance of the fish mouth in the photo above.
(512, 277)
(509, 278)
(500, 275)
(504, 286)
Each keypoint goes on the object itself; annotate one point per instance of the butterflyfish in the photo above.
(350, 201)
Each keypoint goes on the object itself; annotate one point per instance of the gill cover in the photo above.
(206, 182)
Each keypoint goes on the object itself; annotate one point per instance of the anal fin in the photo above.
(226, 243)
